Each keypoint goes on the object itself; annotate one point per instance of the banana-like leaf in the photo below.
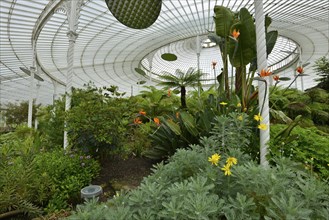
(246, 50)
(268, 22)
(189, 123)
(224, 18)
(271, 38)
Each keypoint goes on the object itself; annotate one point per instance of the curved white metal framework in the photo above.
(107, 52)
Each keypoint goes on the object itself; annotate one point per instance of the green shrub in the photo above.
(33, 179)
(51, 124)
(306, 145)
(66, 174)
(189, 187)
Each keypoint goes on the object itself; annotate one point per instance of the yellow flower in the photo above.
(240, 117)
(238, 105)
(262, 126)
(231, 160)
(258, 117)
(214, 159)
(223, 103)
(226, 170)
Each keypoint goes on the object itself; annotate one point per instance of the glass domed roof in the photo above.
(107, 52)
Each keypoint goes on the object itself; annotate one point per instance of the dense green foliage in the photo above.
(17, 113)
(308, 146)
(34, 179)
(321, 68)
(313, 105)
(190, 187)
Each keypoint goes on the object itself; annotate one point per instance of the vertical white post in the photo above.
(72, 12)
(55, 91)
(262, 87)
(150, 67)
(198, 51)
(36, 102)
(32, 70)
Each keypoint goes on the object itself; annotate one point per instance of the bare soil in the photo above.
(118, 173)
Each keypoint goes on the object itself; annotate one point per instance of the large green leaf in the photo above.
(271, 38)
(246, 50)
(224, 18)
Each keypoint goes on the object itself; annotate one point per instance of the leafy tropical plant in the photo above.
(181, 80)
(34, 179)
(321, 68)
(157, 101)
(236, 37)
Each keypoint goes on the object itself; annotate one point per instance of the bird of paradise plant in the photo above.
(237, 40)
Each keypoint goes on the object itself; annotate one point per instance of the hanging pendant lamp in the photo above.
(137, 14)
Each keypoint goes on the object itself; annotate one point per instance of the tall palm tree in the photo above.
(181, 80)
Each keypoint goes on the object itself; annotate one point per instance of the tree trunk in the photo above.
(183, 96)
(238, 80)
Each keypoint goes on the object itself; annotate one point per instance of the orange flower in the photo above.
(169, 92)
(214, 63)
(157, 121)
(141, 112)
(235, 34)
(264, 73)
(276, 78)
(300, 69)
(177, 114)
(137, 121)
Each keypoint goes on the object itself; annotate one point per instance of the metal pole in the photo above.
(32, 69)
(198, 51)
(262, 87)
(72, 11)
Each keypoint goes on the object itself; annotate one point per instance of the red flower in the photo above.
(264, 73)
(276, 78)
(137, 121)
(141, 112)
(157, 121)
(169, 92)
(300, 69)
(235, 34)
(214, 63)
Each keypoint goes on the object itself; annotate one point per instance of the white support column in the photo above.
(55, 91)
(32, 69)
(36, 103)
(198, 51)
(262, 87)
(72, 8)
